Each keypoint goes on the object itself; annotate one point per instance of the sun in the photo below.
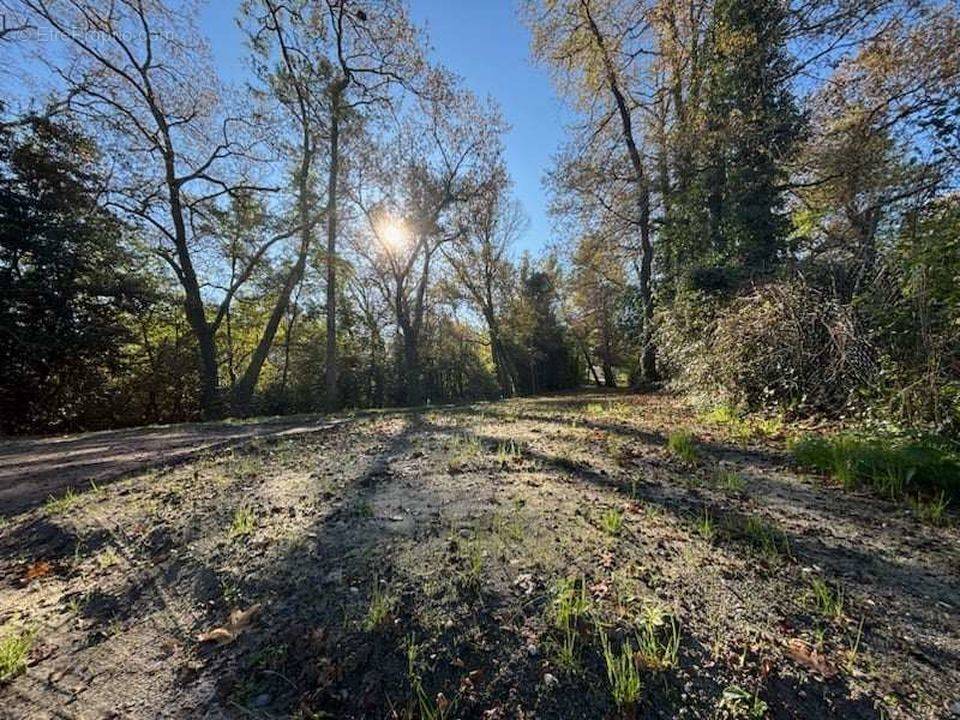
(393, 234)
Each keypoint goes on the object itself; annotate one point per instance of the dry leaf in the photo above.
(807, 656)
(36, 571)
(238, 622)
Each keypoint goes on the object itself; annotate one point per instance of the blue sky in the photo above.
(485, 42)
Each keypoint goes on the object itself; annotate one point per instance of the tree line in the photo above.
(766, 191)
(757, 201)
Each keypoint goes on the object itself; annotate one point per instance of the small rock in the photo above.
(261, 700)
(955, 709)
(549, 680)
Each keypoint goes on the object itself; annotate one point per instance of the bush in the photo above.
(783, 345)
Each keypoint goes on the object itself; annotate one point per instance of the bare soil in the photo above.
(451, 532)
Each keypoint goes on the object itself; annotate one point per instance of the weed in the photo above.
(382, 604)
(826, 600)
(892, 467)
(682, 446)
(854, 650)
(471, 565)
(508, 453)
(622, 673)
(438, 708)
(705, 526)
(567, 610)
(729, 481)
(14, 652)
(739, 704)
(933, 511)
(465, 451)
(612, 521)
(658, 639)
(108, 558)
(244, 522)
(765, 537)
(60, 505)
(570, 603)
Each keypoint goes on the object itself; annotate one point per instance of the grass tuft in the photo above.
(658, 639)
(244, 522)
(612, 522)
(60, 505)
(827, 601)
(14, 652)
(622, 673)
(380, 610)
(682, 446)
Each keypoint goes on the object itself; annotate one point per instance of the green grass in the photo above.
(60, 505)
(932, 511)
(465, 450)
(14, 652)
(622, 674)
(892, 467)
(738, 426)
(612, 522)
(705, 526)
(682, 446)
(765, 537)
(729, 481)
(658, 639)
(508, 453)
(425, 706)
(244, 522)
(827, 601)
(380, 610)
(569, 607)
(735, 702)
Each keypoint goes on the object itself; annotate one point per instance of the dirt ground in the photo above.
(33, 469)
(420, 565)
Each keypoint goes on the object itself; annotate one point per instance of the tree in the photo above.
(479, 258)
(596, 48)
(412, 196)
(597, 287)
(138, 73)
(65, 283)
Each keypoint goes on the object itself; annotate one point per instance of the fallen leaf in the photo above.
(36, 571)
(808, 656)
(238, 621)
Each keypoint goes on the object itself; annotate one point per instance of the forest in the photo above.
(286, 327)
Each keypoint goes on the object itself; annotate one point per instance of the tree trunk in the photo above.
(593, 370)
(648, 357)
(331, 368)
(411, 369)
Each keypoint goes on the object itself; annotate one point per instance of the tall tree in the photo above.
(597, 49)
(138, 73)
(480, 261)
(65, 282)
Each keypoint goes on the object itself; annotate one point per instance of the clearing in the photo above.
(488, 561)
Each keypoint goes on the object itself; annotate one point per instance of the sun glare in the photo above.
(393, 234)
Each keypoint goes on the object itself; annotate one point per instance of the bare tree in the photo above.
(597, 49)
(138, 73)
(443, 157)
(481, 264)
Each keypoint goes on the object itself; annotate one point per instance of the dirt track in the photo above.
(33, 469)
